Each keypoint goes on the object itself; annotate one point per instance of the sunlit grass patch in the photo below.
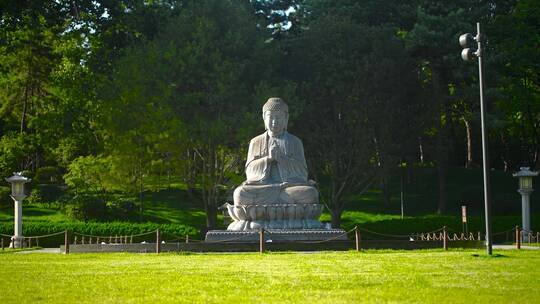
(324, 277)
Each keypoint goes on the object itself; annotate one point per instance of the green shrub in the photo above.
(49, 192)
(85, 207)
(48, 175)
(91, 208)
(45, 193)
(34, 197)
(90, 174)
(5, 199)
(123, 209)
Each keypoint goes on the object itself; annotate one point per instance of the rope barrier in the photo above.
(234, 239)
(43, 236)
(117, 236)
(426, 236)
(35, 236)
(192, 240)
(398, 235)
(506, 231)
(183, 240)
(327, 240)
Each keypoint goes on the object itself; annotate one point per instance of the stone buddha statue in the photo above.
(276, 193)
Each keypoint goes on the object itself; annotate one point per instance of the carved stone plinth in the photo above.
(277, 235)
(274, 216)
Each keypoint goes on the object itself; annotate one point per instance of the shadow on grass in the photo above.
(173, 198)
(33, 211)
(496, 255)
(193, 217)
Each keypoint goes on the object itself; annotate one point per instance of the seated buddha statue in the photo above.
(276, 170)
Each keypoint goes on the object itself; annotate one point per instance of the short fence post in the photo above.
(518, 238)
(66, 242)
(537, 236)
(445, 241)
(29, 242)
(37, 242)
(187, 238)
(530, 236)
(2, 243)
(357, 238)
(158, 242)
(261, 240)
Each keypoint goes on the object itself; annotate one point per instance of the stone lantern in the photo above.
(525, 189)
(18, 194)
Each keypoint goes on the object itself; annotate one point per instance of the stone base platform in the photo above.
(277, 235)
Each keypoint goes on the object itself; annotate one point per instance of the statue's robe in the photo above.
(280, 181)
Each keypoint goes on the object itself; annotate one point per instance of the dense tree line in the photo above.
(100, 94)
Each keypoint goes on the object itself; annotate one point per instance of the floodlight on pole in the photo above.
(468, 54)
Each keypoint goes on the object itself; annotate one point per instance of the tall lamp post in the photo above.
(468, 54)
(525, 189)
(18, 195)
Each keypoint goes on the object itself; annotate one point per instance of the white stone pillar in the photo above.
(17, 239)
(525, 213)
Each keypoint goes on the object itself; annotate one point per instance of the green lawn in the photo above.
(324, 277)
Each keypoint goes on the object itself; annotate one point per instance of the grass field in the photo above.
(325, 277)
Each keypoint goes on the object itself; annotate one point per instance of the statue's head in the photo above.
(275, 115)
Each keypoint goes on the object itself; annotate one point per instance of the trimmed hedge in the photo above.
(168, 231)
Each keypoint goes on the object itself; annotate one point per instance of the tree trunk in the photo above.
(385, 189)
(25, 109)
(442, 170)
(190, 173)
(211, 216)
(468, 162)
(442, 142)
(209, 183)
(209, 201)
(168, 172)
(336, 217)
(421, 150)
(141, 193)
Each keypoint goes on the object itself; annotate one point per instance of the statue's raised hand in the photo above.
(274, 153)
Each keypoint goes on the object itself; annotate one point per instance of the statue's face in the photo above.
(275, 121)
